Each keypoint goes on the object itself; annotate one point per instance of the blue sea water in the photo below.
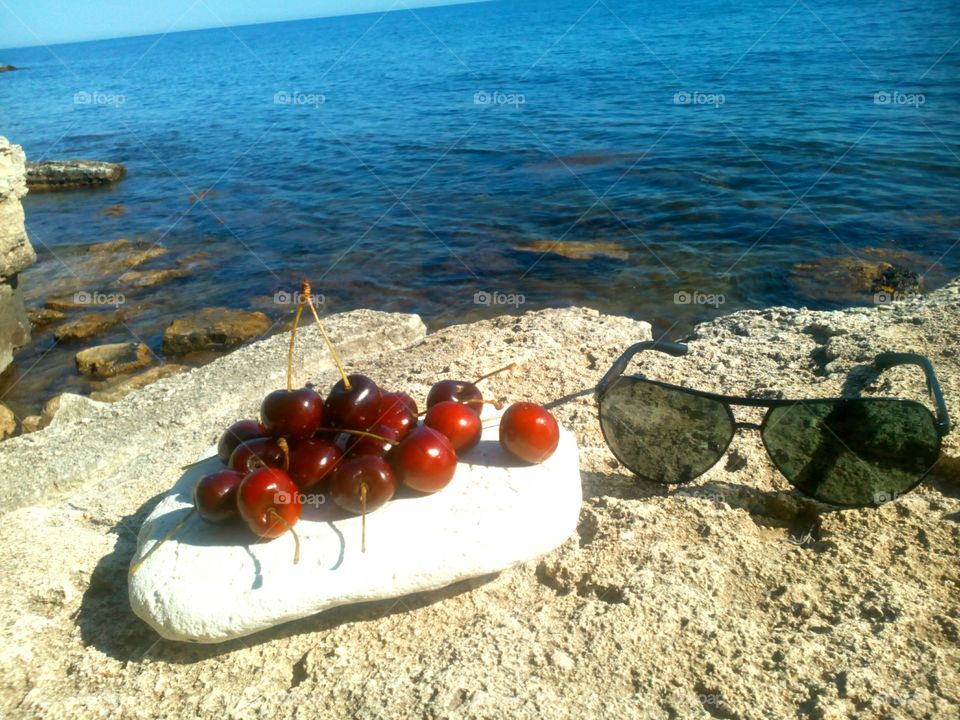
(423, 161)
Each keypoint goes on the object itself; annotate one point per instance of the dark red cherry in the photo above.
(387, 438)
(215, 495)
(295, 414)
(236, 434)
(269, 502)
(354, 409)
(250, 454)
(529, 432)
(398, 411)
(424, 460)
(311, 461)
(458, 422)
(458, 390)
(348, 479)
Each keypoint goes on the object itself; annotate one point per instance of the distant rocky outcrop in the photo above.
(69, 174)
(7, 68)
(16, 253)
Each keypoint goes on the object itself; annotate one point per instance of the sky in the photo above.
(48, 22)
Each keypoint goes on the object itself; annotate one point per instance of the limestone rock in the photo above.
(117, 388)
(213, 329)
(14, 325)
(60, 409)
(87, 326)
(66, 174)
(8, 422)
(31, 424)
(113, 359)
(149, 278)
(213, 582)
(43, 317)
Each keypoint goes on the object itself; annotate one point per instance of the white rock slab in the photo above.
(211, 583)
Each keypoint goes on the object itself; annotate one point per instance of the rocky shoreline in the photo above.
(731, 597)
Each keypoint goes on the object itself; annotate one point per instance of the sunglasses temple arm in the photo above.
(888, 360)
(675, 349)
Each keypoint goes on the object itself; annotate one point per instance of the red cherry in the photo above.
(459, 423)
(236, 434)
(215, 495)
(293, 414)
(260, 451)
(269, 502)
(459, 390)
(311, 461)
(398, 411)
(354, 409)
(387, 438)
(349, 477)
(529, 432)
(424, 460)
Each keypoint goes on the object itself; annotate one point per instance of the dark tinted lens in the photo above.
(852, 452)
(661, 434)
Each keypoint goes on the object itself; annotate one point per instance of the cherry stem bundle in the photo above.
(306, 299)
(511, 366)
(296, 538)
(293, 340)
(167, 536)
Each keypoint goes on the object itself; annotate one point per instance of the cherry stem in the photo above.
(498, 404)
(305, 297)
(285, 449)
(296, 538)
(169, 534)
(361, 432)
(511, 366)
(293, 340)
(363, 517)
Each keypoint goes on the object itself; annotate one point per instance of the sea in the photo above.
(668, 161)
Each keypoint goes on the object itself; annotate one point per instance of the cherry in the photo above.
(236, 434)
(529, 432)
(260, 451)
(380, 440)
(269, 503)
(353, 404)
(424, 460)
(311, 461)
(360, 484)
(294, 414)
(458, 422)
(458, 390)
(398, 411)
(346, 484)
(215, 495)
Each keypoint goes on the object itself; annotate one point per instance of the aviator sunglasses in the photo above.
(852, 452)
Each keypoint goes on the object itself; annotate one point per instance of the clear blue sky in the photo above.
(47, 22)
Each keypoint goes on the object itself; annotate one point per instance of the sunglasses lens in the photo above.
(852, 452)
(663, 434)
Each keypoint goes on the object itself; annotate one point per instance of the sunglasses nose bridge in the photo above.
(747, 426)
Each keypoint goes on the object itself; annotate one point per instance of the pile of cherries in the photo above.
(354, 446)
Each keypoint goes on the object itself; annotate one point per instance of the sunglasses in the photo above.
(852, 452)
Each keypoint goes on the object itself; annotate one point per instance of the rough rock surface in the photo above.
(113, 359)
(87, 326)
(66, 174)
(727, 598)
(213, 329)
(209, 583)
(8, 422)
(117, 388)
(16, 253)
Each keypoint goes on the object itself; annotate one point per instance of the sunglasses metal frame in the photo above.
(882, 362)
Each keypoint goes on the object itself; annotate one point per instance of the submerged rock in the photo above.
(576, 249)
(87, 326)
(149, 278)
(68, 174)
(213, 329)
(42, 317)
(113, 359)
